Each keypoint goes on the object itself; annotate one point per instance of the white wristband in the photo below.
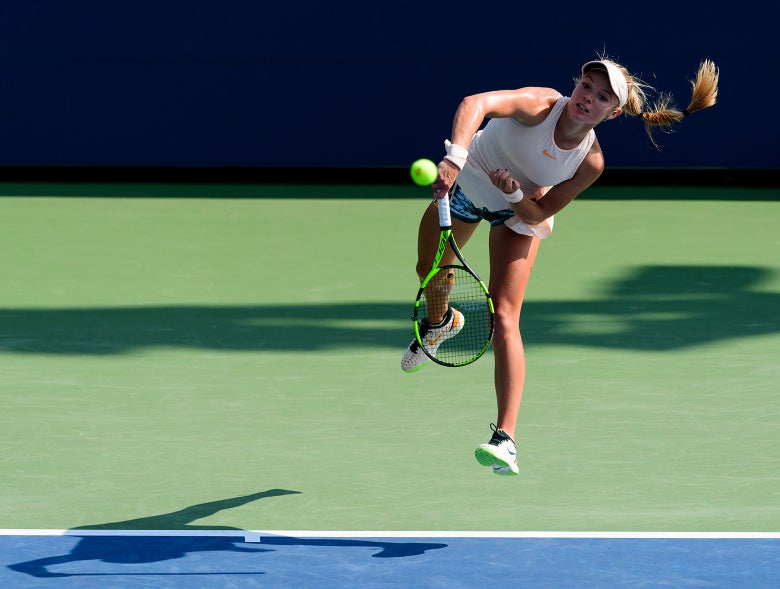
(516, 196)
(456, 154)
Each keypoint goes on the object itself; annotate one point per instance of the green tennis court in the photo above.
(170, 346)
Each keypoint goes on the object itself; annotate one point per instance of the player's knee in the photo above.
(422, 268)
(506, 327)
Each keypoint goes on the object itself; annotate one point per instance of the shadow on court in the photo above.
(657, 308)
(652, 308)
(139, 549)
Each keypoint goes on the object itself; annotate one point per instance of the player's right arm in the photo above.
(529, 106)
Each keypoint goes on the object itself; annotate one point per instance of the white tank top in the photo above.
(532, 157)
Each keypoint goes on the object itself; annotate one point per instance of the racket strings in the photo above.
(467, 327)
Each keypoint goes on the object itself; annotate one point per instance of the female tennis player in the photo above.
(537, 152)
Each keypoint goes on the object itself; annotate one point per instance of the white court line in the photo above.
(256, 535)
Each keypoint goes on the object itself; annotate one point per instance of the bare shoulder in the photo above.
(534, 104)
(528, 105)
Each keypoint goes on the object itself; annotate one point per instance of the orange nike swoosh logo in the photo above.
(432, 342)
(548, 154)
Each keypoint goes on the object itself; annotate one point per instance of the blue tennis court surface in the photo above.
(318, 560)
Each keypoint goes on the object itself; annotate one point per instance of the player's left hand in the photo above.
(503, 180)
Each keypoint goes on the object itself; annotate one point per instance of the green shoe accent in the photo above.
(417, 367)
(486, 458)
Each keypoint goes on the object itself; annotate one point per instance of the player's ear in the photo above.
(615, 114)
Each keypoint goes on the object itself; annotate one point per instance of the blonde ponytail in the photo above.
(662, 113)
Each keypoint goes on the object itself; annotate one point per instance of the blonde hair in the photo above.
(662, 113)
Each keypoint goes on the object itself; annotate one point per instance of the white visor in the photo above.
(616, 79)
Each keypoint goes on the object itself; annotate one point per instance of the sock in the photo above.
(447, 319)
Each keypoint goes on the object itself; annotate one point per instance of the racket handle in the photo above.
(445, 221)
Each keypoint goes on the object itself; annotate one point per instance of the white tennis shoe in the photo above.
(499, 453)
(433, 337)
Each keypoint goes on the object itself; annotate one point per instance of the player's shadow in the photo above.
(141, 549)
(662, 308)
(651, 308)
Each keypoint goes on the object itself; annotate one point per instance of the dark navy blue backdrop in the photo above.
(307, 83)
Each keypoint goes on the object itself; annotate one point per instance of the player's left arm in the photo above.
(534, 211)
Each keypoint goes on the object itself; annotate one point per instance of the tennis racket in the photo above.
(456, 295)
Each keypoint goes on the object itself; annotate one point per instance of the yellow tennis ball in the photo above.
(424, 172)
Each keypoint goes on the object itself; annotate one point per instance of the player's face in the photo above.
(592, 99)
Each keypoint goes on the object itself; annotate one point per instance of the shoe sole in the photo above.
(486, 458)
(505, 473)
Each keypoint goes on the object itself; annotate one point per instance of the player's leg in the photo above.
(439, 316)
(427, 244)
(428, 238)
(511, 259)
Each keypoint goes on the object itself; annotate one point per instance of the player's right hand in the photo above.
(448, 172)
